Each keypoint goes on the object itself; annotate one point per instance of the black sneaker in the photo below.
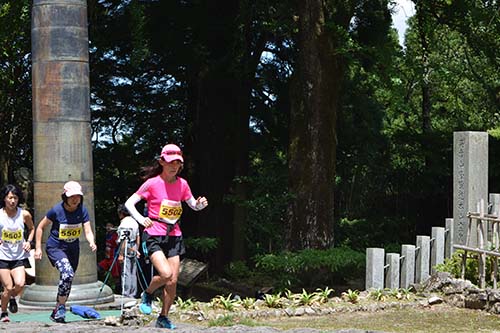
(12, 305)
(164, 322)
(59, 314)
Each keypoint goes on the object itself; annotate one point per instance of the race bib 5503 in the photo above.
(12, 236)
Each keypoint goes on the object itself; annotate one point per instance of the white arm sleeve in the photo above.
(130, 205)
(191, 202)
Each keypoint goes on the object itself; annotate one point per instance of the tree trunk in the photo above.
(426, 70)
(313, 144)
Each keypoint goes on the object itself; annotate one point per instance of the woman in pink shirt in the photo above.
(163, 191)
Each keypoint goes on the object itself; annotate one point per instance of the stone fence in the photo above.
(413, 265)
(417, 262)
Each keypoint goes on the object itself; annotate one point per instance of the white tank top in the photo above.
(12, 236)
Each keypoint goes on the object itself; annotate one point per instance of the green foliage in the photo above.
(324, 294)
(225, 303)
(237, 270)
(405, 293)
(453, 266)
(273, 300)
(350, 296)
(230, 320)
(184, 304)
(377, 294)
(362, 233)
(267, 201)
(248, 303)
(203, 245)
(289, 294)
(16, 148)
(305, 298)
(312, 267)
(394, 293)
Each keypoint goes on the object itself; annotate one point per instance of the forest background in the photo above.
(313, 133)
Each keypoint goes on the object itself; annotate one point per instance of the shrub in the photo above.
(453, 266)
(237, 270)
(312, 268)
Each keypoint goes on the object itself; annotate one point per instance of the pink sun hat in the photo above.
(72, 188)
(171, 153)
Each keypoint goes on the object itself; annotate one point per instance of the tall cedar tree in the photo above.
(312, 130)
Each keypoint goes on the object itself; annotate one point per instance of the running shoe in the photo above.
(59, 314)
(146, 300)
(164, 322)
(4, 318)
(12, 305)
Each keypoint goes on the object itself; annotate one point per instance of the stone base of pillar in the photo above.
(84, 294)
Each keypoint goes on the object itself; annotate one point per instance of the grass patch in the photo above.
(231, 320)
(437, 319)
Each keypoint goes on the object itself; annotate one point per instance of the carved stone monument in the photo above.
(470, 181)
(61, 137)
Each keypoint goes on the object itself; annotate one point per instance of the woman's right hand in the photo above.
(38, 254)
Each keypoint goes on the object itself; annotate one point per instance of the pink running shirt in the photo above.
(164, 201)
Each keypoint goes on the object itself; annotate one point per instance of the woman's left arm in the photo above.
(89, 235)
(28, 221)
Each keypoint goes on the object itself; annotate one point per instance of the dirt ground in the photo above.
(97, 327)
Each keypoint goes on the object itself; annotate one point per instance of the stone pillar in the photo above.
(407, 265)
(437, 248)
(422, 259)
(449, 250)
(61, 137)
(392, 273)
(470, 180)
(494, 227)
(374, 268)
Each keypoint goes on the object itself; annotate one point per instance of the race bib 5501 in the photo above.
(70, 232)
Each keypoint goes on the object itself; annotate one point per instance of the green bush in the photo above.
(360, 234)
(237, 270)
(453, 266)
(311, 268)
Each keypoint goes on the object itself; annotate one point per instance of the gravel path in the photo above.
(100, 327)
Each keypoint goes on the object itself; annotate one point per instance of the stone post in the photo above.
(407, 265)
(422, 259)
(374, 268)
(470, 180)
(437, 248)
(448, 238)
(392, 272)
(493, 229)
(61, 137)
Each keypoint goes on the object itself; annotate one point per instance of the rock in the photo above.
(475, 300)
(435, 300)
(495, 308)
(493, 295)
(112, 321)
(457, 300)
